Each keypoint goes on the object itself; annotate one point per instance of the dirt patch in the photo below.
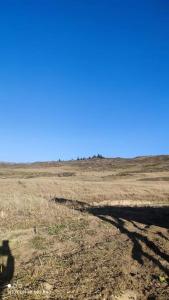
(155, 179)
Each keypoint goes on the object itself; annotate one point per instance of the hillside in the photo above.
(86, 229)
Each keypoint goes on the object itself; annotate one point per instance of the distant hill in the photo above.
(136, 164)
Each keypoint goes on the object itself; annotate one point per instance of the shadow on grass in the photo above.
(6, 268)
(117, 215)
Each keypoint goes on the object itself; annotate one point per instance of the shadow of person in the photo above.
(6, 269)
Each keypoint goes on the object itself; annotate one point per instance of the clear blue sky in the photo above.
(83, 77)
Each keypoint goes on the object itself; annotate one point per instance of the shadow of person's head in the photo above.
(5, 249)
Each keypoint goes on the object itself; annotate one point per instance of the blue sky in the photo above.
(83, 77)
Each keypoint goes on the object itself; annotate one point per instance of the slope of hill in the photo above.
(90, 229)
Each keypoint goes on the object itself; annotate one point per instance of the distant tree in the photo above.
(100, 156)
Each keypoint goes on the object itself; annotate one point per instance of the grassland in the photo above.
(92, 229)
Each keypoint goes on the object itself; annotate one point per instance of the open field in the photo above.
(92, 229)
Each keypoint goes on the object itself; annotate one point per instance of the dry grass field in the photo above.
(91, 229)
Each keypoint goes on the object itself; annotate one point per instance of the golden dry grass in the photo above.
(46, 237)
